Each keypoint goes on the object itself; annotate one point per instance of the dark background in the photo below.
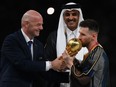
(103, 11)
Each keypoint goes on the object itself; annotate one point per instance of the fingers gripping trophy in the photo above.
(73, 46)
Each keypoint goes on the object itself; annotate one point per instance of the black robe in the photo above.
(50, 54)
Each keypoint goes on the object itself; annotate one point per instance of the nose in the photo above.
(79, 37)
(41, 27)
(70, 17)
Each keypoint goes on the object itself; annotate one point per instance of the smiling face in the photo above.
(35, 26)
(71, 18)
(32, 23)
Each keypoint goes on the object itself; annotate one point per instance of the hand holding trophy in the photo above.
(72, 48)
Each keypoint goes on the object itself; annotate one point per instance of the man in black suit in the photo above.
(20, 65)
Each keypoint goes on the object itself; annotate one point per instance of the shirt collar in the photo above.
(25, 36)
(68, 31)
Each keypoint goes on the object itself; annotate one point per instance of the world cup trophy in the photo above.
(73, 46)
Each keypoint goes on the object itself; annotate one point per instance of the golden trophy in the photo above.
(73, 46)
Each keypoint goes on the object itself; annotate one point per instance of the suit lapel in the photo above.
(35, 50)
(23, 43)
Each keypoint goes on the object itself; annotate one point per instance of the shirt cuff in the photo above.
(48, 65)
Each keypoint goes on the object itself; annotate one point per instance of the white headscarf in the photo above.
(61, 38)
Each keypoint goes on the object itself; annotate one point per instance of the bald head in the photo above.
(31, 23)
(31, 15)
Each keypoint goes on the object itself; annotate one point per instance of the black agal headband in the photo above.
(69, 6)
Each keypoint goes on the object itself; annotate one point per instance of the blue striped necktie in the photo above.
(29, 44)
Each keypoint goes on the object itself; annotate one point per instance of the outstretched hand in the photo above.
(56, 64)
(62, 63)
(68, 59)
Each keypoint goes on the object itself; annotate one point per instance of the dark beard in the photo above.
(84, 45)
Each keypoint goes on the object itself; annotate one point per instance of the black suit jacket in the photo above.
(18, 69)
